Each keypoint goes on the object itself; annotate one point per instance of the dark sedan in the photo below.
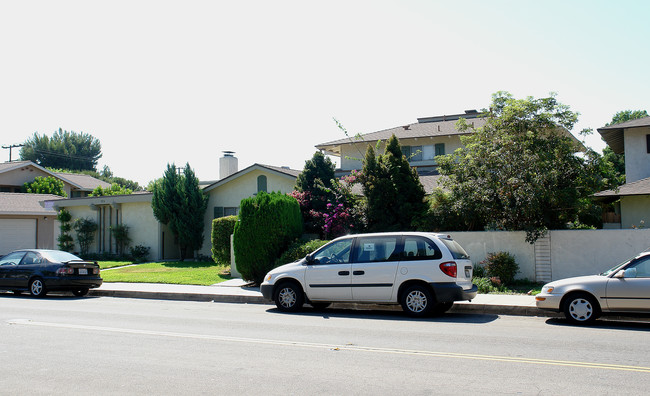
(39, 271)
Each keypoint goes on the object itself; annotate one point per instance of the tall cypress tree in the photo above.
(179, 203)
(392, 188)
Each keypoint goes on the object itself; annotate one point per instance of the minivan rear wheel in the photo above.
(288, 297)
(417, 301)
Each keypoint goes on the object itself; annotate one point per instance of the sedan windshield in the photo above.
(56, 256)
(614, 269)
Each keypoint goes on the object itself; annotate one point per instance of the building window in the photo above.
(427, 152)
(416, 153)
(439, 149)
(647, 143)
(220, 211)
(261, 183)
(406, 151)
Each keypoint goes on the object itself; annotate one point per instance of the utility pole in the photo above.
(11, 147)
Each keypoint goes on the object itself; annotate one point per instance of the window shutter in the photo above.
(261, 183)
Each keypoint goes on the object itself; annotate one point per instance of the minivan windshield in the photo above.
(456, 250)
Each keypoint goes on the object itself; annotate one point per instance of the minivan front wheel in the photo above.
(417, 300)
(288, 297)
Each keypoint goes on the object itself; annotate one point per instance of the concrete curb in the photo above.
(460, 307)
(201, 297)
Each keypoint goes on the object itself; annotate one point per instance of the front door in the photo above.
(327, 278)
(631, 293)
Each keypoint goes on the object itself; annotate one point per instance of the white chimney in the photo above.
(227, 164)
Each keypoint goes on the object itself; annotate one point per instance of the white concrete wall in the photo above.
(479, 244)
(587, 252)
(637, 158)
(573, 252)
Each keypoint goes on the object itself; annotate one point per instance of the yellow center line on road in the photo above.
(550, 362)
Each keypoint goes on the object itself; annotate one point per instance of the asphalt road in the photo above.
(103, 345)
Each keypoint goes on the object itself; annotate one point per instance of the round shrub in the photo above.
(267, 225)
(298, 250)
(501, 265)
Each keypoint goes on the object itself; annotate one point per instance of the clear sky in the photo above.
(181, 81)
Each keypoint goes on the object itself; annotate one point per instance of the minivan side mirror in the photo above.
(309, 259)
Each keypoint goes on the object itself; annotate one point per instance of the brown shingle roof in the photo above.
(613, 134)
(416, 130)
(639, 187)
(85, 182)
(26, 204)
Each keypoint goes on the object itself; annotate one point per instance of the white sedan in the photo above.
(622, 289)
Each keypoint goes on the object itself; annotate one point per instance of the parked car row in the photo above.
(425, 273)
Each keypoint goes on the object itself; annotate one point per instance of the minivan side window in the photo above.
(334, 253)
(376, 249)
(418, 248)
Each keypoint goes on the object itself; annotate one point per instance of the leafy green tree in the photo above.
(85, 229)
(179, 202)
(46, 185)
(627, 115)
(120, 233)
(520, 171)
(114, 189)
(315, 188)
(66, 150)
(394, 194)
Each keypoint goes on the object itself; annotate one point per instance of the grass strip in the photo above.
(181, 272)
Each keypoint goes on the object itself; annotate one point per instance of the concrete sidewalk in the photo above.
(236, 291)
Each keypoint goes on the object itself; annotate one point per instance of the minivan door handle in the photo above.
(344, 273)
(358, 272)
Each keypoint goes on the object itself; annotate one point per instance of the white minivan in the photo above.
(424, 272)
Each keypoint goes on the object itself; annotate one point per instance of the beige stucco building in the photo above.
(24, 222)
(135, 211)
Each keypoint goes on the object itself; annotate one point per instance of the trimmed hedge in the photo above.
(267, 224)
(299, 250)
(222, 229)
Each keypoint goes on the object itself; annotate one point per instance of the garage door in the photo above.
(17, 234)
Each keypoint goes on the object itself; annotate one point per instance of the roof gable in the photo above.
(285, 172)
(613, 135)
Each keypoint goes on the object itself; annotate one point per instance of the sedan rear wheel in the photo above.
(581, 308)
(37, 288)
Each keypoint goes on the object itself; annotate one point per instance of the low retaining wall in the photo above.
(561, 254)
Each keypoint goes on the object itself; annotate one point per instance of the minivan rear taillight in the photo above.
(449, 268)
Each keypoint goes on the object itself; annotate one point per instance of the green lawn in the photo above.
(182, 272)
